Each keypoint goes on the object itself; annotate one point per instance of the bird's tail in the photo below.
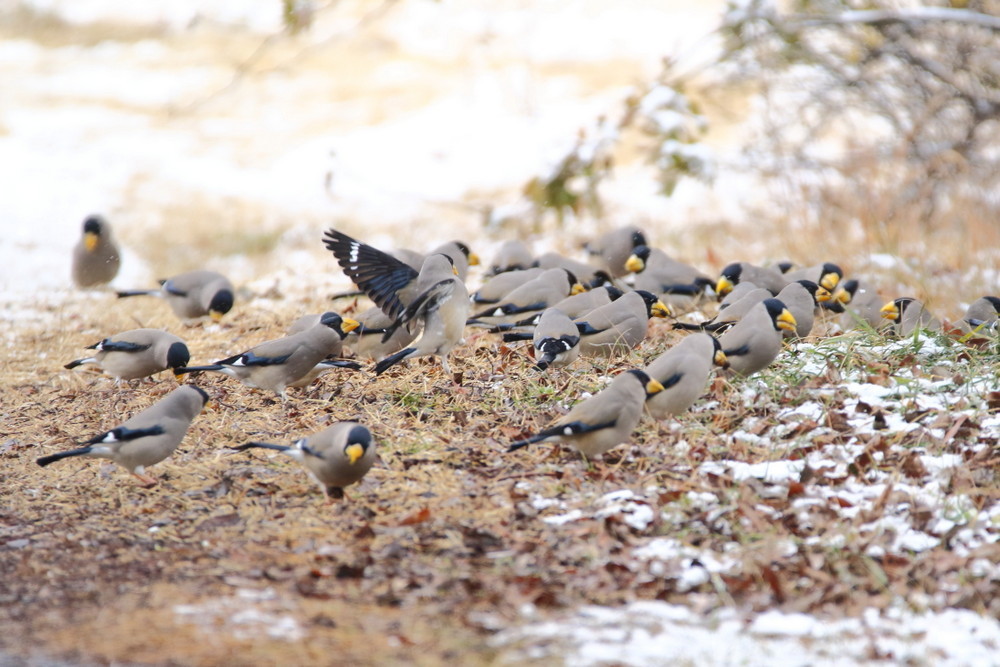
(52, 458)
(393, 359)
(79, 362)
(196, 369)
(520, 444)
(261, 445)
(137, 292)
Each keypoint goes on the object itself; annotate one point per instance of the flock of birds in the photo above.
(422, 307)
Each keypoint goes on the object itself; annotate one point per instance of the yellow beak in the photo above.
(890, 311)
(354, 452)
(473, 259)
(829, 281)
(786, 321)
(347, 324)
(724, 286)
(215, 315)
(90, 241)
(634, 264)
(653, 387)
(721, 360)
(823, 294)
(661, 309)
(577, 288)
(454, 269)
(842, 295)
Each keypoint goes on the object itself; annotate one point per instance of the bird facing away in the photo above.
(532, 297)
(512, 255)
(603, 420)
(908, 315)
(434, 296)
(496, 288)
(754, 341)
(147, 438)
(611, 250)
(982, 314)
(277, 364)
(137, 353)
(683, 372)
(194, 294)
(96, 258)
(337, 456)
(732, 275)
(620, 325)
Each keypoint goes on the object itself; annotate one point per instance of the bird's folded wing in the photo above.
(108, 345)
(123, 434)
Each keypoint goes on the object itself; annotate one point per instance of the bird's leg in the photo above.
(147, 481)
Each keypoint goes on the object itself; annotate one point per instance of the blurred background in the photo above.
(228, 135)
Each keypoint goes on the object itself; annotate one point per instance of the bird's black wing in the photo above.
(378, 274)
(251, 359)
(108, 345)
(123, 434)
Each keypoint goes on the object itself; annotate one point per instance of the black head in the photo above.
(178, 355)
(638, 239)
(600, 279)
(331, 319)
(902, 303)
(94, 224)
(732, 272)
(775, 307)
(851, 287)
(786, 266)
(201, 392)
(359, 435)
(641, 251)
(614, 292)
(811, 287)
(222, 302)
(464, 248)
(830, 267)
(571, 278)
(650, 299)
(995, 302)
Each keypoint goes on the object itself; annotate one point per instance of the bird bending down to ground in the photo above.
(147, 438)
(555, 338)
(612, 250)
(434, 295)
(193, 294)
(96, 258)
(754, 341)
(277, 364)
(981, 314)
(336, 457)
(137, 353)
(603, 420)
(683, 372)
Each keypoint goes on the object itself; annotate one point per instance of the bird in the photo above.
(530, 298)
(556, 340)
(460, 253)
(277, 364)
(368, 340)
(588, 275)
(601, 421)
(738, 292)
(981, 314)
(754, 342)
(136, 353)
(733, 274)
(861, 305)
(336, 457)
(731, 314)
(512, 255)
(827, 275)
(574, 306)
(655, 271)
(620, 325)
(193, 294)
(500, 285)
(434, 295)
(147, 438)
(611, 250)
(908, 315)
(802, 298)
(683, 372)
(333, 359)
(96, 257)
